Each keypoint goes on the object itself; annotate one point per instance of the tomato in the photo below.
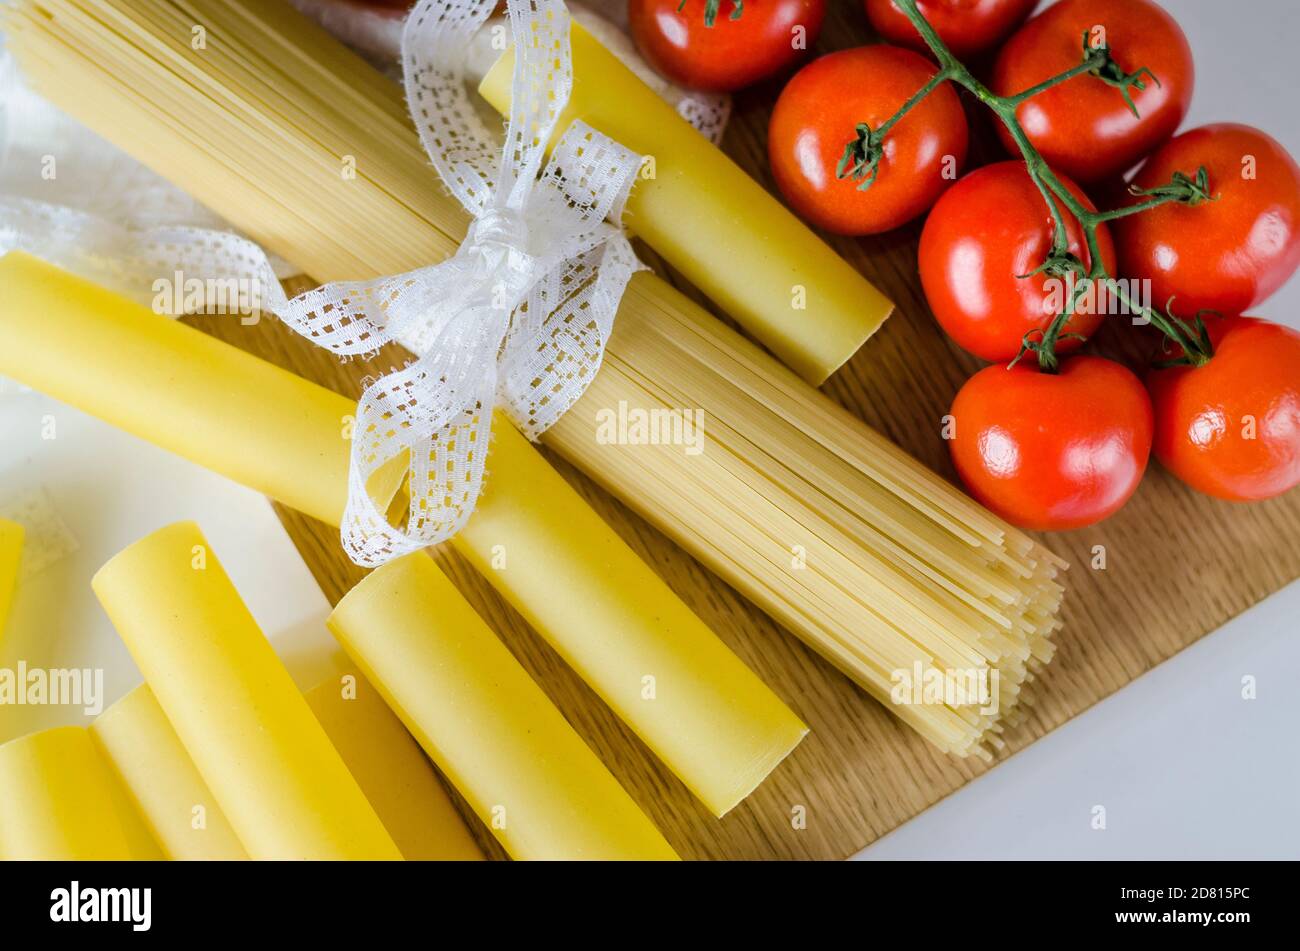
(1229, 254)
(817, 115)
(1231, 428)
(767, 36)
(987, 232)
(969, 27)
(1052, 451)
(1084, 127)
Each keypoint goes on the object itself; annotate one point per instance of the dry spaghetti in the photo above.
(865, 554)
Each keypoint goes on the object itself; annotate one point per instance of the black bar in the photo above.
(900, 902)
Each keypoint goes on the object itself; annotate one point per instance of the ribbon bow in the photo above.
(520, 315)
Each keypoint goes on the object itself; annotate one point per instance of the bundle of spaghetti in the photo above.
(866, 555)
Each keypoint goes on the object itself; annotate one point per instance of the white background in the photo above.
(1183, 766)
(111, 489)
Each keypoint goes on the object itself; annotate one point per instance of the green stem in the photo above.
(711, 10)
(1192, 348)
(863, 155)
(939, 78)
(1086, 66)
(1045, 180)
(1184, 189)
(1134, 209)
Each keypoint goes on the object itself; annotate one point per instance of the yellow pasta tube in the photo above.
(57, 800)
(689, 697)
(388, 765)
(162, 781)
(482, 719)
(139, 837)
(280, 782)
(177, 387)
(392, 771)
(780, 281)
(11, 553)
(685, 694)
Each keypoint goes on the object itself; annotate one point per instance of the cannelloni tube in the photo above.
(392, 771)
(685, 693)
(58, 802)
(11, 553)
(268, 762)
(176, 387)
(184, 817)
(780, 281)
(164, 784)
(492, 731)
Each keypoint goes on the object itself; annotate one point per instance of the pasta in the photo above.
(11, 552)
(165, 788)
(60, 802)
(162, 782)
(878, 563)
(715, 723)
(492, 731)
(281, 784)
(391, 770)
(685, 216)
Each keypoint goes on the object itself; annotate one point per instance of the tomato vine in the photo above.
(863, 154)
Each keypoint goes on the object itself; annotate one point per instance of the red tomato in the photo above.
(969, 27)
(817, 115)
(767, 36)
(1084, 127)
(1052, 451)
(986, 232)
(1231, 428)
(1226, 255)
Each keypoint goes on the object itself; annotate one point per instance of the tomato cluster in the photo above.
(1047, 437)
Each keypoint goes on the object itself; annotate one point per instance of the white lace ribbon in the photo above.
(519, 316)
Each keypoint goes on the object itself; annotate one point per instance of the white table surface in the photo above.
(1184, 767)
(111, 489)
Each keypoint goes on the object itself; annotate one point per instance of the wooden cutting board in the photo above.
(1176, 566)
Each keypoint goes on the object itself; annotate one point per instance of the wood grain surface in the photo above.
(1177, 565)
